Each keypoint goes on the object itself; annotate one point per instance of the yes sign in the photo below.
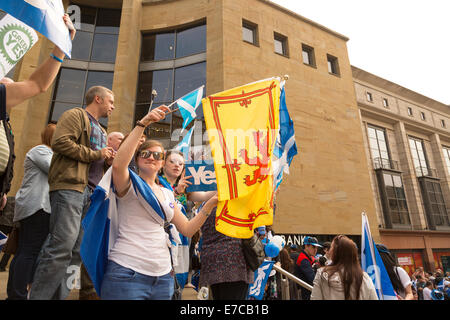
(203, 176)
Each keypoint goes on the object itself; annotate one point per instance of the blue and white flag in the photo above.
(256, 289)
(3, 239)
(185, 145)
(101, 226)
(188, 105)
(44, 16)
(285, 146)
(372, 264)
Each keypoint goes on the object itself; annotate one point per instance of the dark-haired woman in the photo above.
(343, 279)
(399, 277)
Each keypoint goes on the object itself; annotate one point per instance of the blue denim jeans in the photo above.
(120, 283)
(59, 258)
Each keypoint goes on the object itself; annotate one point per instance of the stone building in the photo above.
(174, 46)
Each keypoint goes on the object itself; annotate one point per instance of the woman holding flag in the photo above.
(139, 263)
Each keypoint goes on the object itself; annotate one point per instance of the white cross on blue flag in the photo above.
(372, 264)
(44, 16)
(3, 239)
(185, 145)
(188, 105)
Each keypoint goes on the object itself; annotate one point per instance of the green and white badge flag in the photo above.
(16, 38)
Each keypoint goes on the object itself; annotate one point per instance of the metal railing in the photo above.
(285, 295)
(380, 163)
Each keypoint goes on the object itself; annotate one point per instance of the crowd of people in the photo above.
(62, 173)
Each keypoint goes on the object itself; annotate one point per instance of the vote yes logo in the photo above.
(203, 176)
(15, 41)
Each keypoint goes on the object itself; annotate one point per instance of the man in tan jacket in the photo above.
(79, 145)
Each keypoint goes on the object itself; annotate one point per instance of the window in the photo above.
(443, 123)
(174, 44)
(446, 151)
(173, 82)
(280, 43)
(71, 86)
(379, 147)
(395, 200)
(410, 111)
(308, 55)
(250, 32)
(97, 38)
(435, 207)
(418, 155)
(96, 41)
(369, 97)
(333, 66)
(385, 103)
(422, 116)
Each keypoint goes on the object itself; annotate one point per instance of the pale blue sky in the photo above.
(403, 41)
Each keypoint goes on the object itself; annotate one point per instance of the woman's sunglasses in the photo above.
(157, 155)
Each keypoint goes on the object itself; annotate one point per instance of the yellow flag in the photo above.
(242, 125)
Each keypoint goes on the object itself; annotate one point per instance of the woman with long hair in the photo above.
(139, 262)
(343, 279)
(32, 211)
(399, 277)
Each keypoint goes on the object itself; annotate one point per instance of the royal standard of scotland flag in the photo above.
(372, 264)
(188, 105)
(3, 239)
(256, 289)
(285, 146)
(44, 16)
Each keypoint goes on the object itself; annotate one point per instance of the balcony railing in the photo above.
(380, 163)
(426, 172)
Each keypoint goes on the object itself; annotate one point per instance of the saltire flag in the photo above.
(257, 288)
(101, 226)
(185, 144)
(3, 239)
(242, 125)
(372, 264)
(188, 105)
(285, 147)
(44, 16)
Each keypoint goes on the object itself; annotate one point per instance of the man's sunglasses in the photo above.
(157, 155)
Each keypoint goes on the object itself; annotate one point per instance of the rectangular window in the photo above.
(446, 151)
(442, 123)
(379, 147)
(385, 103)
(308, 55)
(281, 44)
(333, 65)
(410, 111)
(395, 199)
(419, 158)
(369, 97)
(434, 203)
(250, 32)
(422, 116)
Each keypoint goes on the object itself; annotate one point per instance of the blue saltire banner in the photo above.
(44, 16)
(3, 239)
(285, 146)
(188, 105)
(372, 264)
(256, 289)
(203, 176)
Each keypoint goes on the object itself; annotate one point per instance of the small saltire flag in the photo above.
(185, 144)
(372, 264)
(285, 146)
(3, 239)
(188, 105)
(257, 288)
(44, 16)
(242, 125)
